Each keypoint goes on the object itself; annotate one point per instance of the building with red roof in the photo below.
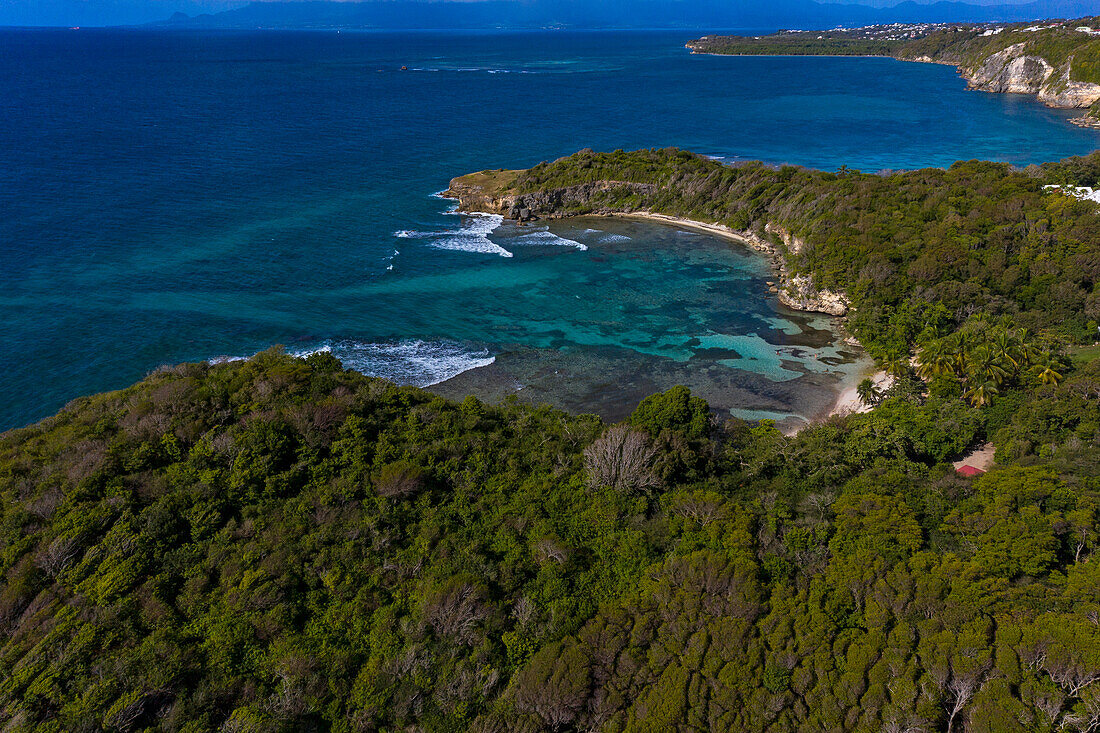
(969, 471)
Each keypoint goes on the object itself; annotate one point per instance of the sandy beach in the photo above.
(848, 401)
(719, 229)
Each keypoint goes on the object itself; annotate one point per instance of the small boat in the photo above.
(404, 68)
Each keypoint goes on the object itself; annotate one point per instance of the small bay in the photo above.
(172, 196)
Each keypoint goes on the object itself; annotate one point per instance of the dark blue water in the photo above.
(172, 196)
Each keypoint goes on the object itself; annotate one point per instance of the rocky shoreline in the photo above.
(796, 291)
(488, 192)
(1086, 121)
(1013, 71)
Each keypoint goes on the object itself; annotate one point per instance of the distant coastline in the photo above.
(1038, 59)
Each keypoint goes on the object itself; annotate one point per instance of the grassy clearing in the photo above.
(1084, 354)
(490, 181)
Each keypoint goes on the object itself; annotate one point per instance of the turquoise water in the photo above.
(173, 196)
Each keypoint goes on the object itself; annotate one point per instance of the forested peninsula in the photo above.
(1058, 61)
(282, 544)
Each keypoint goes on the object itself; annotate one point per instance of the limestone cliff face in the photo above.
(1061, 91)
(473, 197)
(797, 291)
(793, 244)
(1013, 71)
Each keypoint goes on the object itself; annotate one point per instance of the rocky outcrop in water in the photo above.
(1086, 120)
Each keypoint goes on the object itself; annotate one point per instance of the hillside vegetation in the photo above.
(284, 545)
(967, 46)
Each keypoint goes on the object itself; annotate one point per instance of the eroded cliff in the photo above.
(1018, 70)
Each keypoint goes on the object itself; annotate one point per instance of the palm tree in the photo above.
(1029, 352)
(1007, 348)
(958, 347)
(1047, 372)
(985, 363)
(868, 393)
(981, 394)
(896, 363)
(935, 359)
(928, 359)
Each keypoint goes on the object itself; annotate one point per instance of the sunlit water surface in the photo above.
(174, 196)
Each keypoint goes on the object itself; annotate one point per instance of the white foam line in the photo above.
(546, 237)
(472, 236)
(413, 362)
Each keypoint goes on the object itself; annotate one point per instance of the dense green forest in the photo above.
(284, 545)
(803, 43)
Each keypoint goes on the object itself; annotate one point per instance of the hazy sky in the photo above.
(124, 12)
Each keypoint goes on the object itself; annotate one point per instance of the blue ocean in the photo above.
(179, 196)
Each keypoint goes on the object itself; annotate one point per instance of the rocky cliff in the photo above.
(554, 203)
(1018, 70)
(795, 291)
(1014, 71)
(485, 192)
(1010, 71)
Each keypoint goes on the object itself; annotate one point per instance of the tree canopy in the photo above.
(281, 544)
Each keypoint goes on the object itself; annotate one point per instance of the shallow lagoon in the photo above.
(645, 306)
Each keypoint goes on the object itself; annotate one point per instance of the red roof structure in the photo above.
(970, 471)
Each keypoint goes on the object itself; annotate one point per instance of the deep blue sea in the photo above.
(171, 196)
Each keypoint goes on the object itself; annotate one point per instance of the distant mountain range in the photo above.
(694, 14)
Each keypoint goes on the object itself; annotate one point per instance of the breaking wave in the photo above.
(546, 237)
(413, 362)
(472, 236)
